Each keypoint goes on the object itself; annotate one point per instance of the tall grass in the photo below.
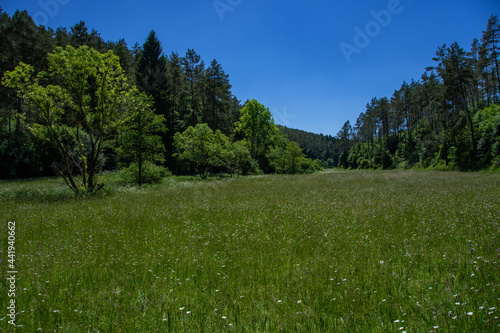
(348, 251)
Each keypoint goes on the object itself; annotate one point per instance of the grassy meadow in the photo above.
(337, 251)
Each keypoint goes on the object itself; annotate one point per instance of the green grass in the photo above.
(346, 251)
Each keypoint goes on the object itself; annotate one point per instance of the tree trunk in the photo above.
(139, 163)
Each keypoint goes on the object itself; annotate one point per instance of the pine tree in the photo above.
(218, 97)
(79, 35)
(491, 51)
(177, 93)
(194, 70)
(456, 74)
(151, 78)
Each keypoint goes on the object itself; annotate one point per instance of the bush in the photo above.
(306, 165)
(151, 174)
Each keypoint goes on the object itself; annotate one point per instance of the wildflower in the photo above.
(180, 309)
(470, 313)
(381, 262)
(299, 301)
(224, 317)
(188, 312)
(279, 301)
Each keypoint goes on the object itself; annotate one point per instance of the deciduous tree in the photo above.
(80, 102)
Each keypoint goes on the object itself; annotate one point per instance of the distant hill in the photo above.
(315, 146)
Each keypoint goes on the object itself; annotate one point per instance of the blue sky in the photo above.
(306, 61)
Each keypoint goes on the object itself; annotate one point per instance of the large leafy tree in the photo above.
(256, 125)
(203, 148)
(80, 102)
(286, 155)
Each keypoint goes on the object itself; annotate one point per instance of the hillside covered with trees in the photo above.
(74, 103)
(448, 118)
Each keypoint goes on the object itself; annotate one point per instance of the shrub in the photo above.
(151, 174)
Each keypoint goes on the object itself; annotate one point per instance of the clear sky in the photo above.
(315, 64)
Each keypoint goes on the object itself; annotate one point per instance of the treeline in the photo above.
(182, 115)
(450, 118)
(316, 146)
(183, 91)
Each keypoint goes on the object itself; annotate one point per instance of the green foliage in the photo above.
(287, 157)
(239, 161)
(150, 173)
(83, 95)
(218, 97)
(67, 87)
(140, 140)
(203, 148)
(487, 121)
(315, 146)
(435, 120)
(343, 160)
(256, 125)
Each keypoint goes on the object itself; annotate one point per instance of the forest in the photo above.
(172, 114)
(449, 119)
(76, 105)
